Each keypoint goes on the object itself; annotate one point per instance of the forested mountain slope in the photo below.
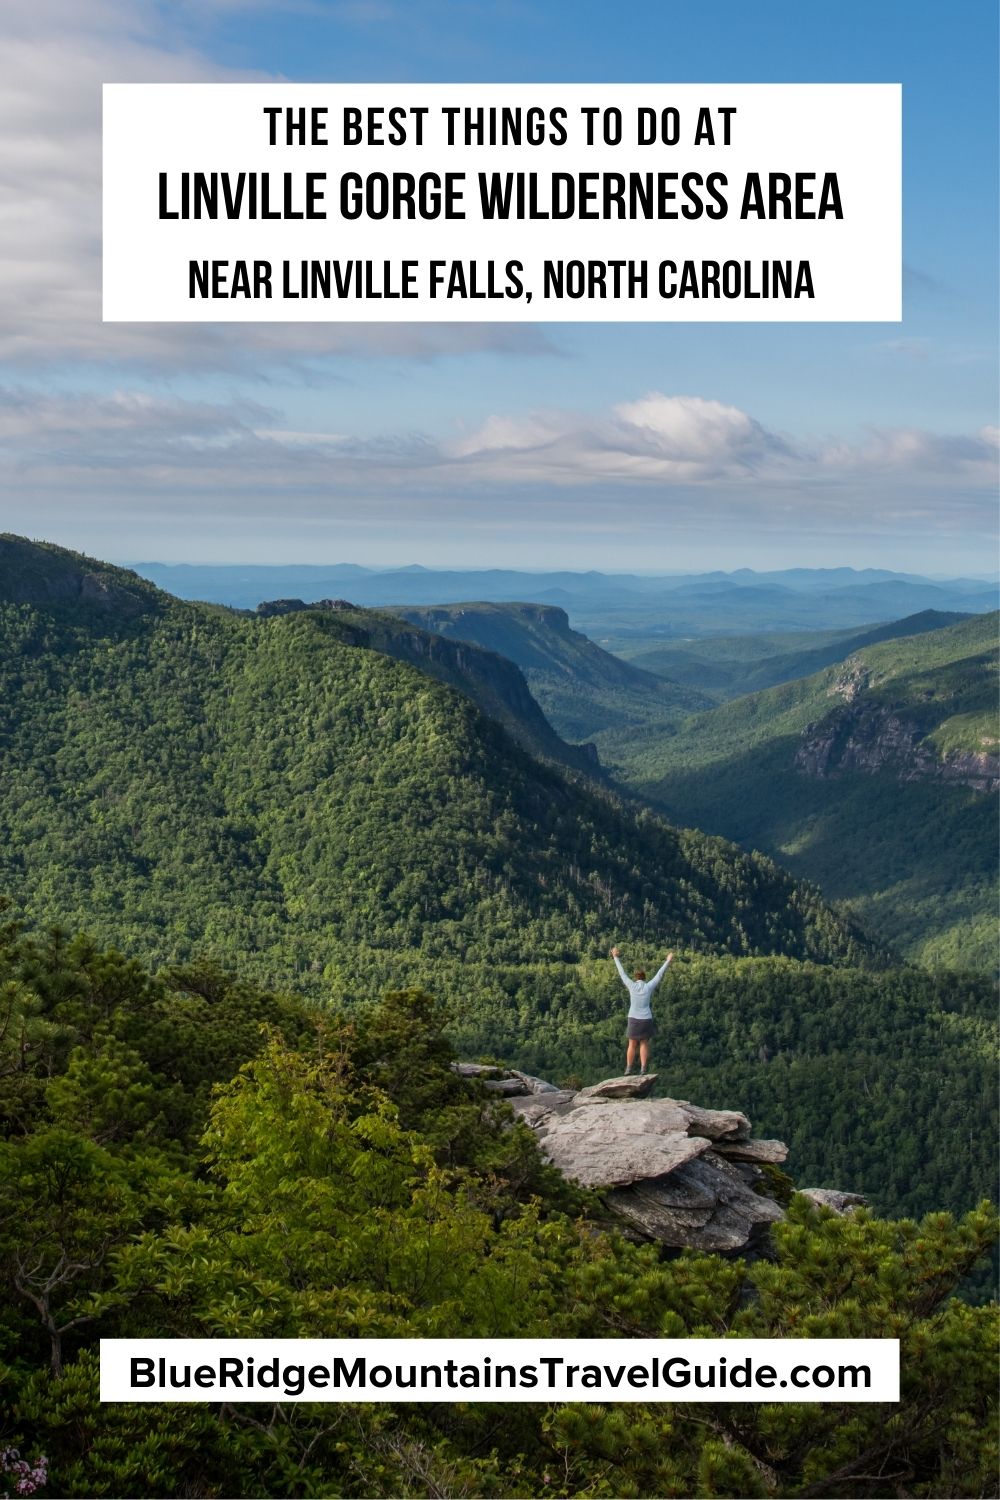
(493, 681)
(874, 777)
(186, 779)
(584, 691)
(42, 574)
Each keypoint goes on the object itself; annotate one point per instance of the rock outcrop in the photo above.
(708, 1204)
(613, 1143)
(673, 1171)
(869, 737)
(833, 1198)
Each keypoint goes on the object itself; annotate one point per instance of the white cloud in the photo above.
(689, 429)
(657, 438)
(964, 457)
(138, 475)
(660, 445)
(57, 54)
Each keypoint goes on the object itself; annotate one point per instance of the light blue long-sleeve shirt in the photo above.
(641, 991)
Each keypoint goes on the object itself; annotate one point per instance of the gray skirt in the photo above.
(640, 1030)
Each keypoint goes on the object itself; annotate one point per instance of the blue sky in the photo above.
(755, 444)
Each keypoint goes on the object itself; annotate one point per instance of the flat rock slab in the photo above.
(659, 1115)
(509, 1087)
(703, 1205)
(536, 1108)
(833, 1198)
(769, 1151)
(476, 1070)
(619, 1119)
(605, 1145)
(534, 1085)
(627, 1086)
(717, 1124)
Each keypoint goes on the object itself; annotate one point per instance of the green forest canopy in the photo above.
(182, 779)
(185, 782)
(190, 1153)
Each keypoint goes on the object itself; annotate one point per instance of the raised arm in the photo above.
(618, 965)
(662, 970)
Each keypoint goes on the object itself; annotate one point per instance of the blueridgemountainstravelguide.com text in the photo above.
(546, 1372)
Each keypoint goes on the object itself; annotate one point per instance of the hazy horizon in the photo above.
(608, 572)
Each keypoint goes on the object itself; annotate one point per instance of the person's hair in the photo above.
(640, 973)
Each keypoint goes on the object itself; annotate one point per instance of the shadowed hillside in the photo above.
(874, 777)
(584, 691)
(732, 666)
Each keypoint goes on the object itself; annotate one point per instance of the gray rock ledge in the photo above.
(671, 1170)
(833, 1198)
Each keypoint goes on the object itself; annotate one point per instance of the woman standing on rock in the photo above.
(640, 1012)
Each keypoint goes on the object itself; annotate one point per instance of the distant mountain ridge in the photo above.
(675, 604)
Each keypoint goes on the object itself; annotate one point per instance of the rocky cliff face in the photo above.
(688, 1177)
(441, 617)
(859, 735)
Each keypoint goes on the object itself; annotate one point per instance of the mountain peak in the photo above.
(40, 573)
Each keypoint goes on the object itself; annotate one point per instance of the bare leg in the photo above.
(644, 1055)
(630, 1054)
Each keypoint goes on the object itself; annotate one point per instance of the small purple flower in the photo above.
(28, 1478)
